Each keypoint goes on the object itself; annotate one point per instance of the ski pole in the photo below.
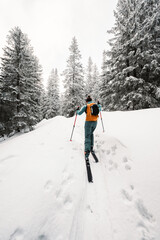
(102, 121)
(73, 127)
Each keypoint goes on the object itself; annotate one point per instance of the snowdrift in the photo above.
(44, 192)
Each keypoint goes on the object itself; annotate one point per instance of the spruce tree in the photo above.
(53, 104)
(96, 83)
(20, 83)
(92, 80)
(89, 78)
(44, 104)
(73, 82)
(133, 62)
(104, 82)
(36, 90)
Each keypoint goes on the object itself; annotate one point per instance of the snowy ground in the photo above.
(44, 192)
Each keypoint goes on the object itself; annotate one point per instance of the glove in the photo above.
(77, 108)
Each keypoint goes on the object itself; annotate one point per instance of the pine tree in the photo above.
(133, 62)
(20, 83)
(89, 78)
(44, 105)
(96, 83)
(3, 112)
(92, 80)
(36, 92)
(61, 103)
(147, 43)
(53, 102)
(104, 79)
(73, 82)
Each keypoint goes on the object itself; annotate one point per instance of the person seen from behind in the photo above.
(90, 124)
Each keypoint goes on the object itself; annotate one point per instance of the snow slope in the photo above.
(44, 192)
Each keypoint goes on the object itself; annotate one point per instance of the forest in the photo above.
(129, 78)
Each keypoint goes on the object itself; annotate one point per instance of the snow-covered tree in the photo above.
(104, 79)
(89, 78)
(44, 104)
(92, 80)
(20, 83)
(36, 95)
(53, 101)
(96, 83)
(73, 82)
(133, 63)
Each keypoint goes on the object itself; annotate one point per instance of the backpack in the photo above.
(94, 110)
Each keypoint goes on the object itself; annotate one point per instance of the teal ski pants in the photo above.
(90, 126)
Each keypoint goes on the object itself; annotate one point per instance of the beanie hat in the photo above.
(88, 99)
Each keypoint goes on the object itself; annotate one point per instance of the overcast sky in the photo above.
(51, 25)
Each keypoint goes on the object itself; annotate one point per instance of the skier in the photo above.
(90, 125)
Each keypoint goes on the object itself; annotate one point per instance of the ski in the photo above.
(89, 173)
(94, 156)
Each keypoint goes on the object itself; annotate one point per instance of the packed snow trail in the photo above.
(45, 194)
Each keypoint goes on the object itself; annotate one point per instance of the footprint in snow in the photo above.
(113, 149)
(125, 161)
(67, 202)
(108, 152)
(42, 237)
(67, 179)
(62, 195)
(127, 167)
(64, 199)
(112, 165)
(143, 211)
(17, 235)
(89, 208)
(48, 186)
(146, 220)
(58, 194)
(146, 232)
(126, 196)
(111, 162)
